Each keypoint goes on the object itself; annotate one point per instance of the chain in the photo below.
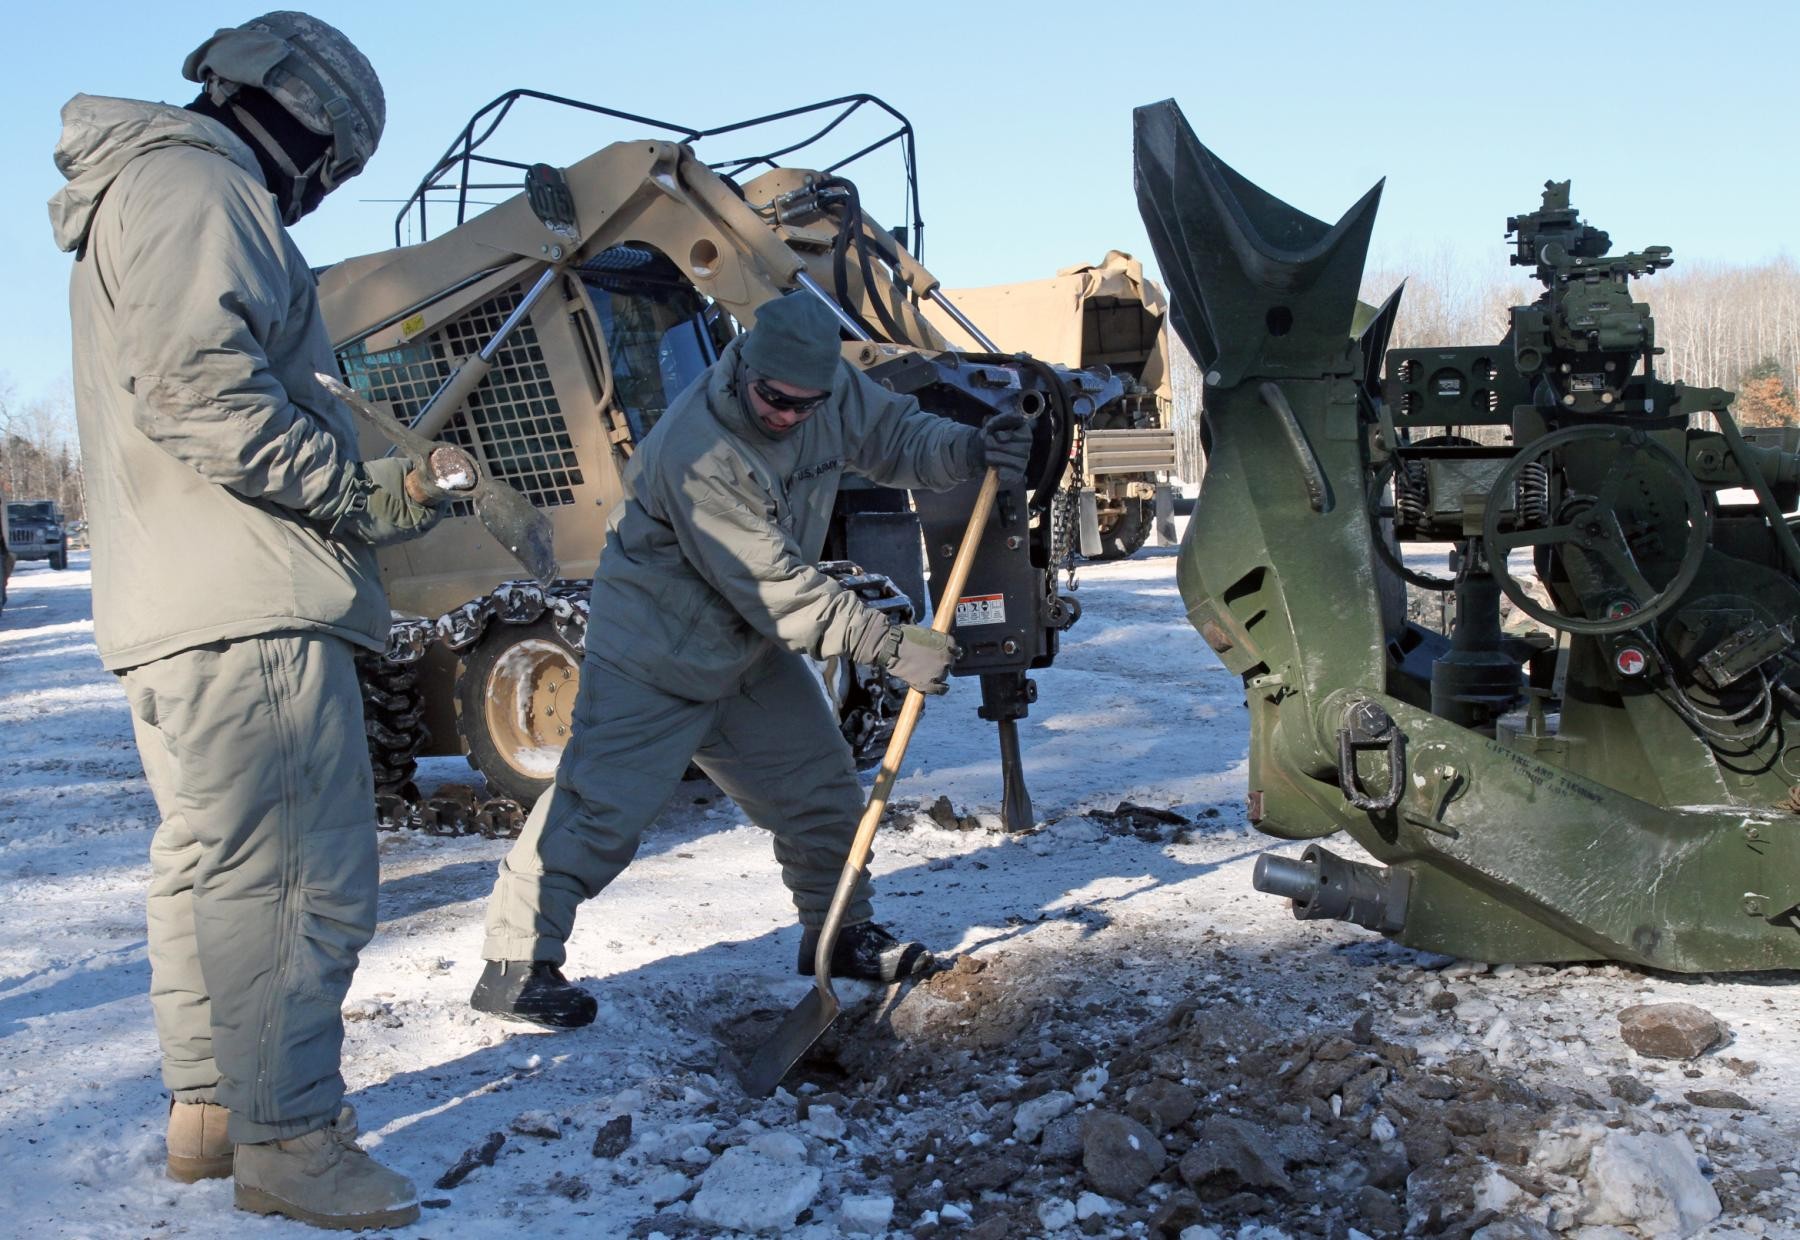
(455, 809)
(451, 812)
(1065, 510)
(868, 717)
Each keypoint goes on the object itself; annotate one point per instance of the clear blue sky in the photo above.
(1676, 121)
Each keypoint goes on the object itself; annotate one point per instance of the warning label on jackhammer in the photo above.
(981, 609)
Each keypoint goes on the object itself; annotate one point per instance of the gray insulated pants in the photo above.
(775, 749)
(263, 872)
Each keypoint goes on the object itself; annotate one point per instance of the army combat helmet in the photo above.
(315, 74)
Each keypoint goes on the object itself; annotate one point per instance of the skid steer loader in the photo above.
(546, 334)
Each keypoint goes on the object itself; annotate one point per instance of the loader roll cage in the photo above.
(454, 176)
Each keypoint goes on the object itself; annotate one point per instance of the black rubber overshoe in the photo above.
(866, 951)
(533, 991)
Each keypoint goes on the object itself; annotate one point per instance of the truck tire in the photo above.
(1128, 532)
(515, 698)
(59, 559)
(393, 720)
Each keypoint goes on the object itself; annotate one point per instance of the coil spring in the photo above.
(1533, 497)
(1411, 496)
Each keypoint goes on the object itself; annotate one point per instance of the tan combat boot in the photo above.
(198, 1146)
(324, 1178)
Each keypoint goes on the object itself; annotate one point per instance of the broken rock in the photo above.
(613, 1138)
(1671, 1030)
(1160, 1105)
(825, 1122)
(1093, 1205)
(1061, 1141)
(1648, 1181)
(666, 1187)
(1566, 1150)
(1089, 1084)
(1229, 1154)
(945, 815)
(537, 1124)
(1056, 1213)
(752, 1192)
(865, 1216)
(1120, 1155)
(482, 1155)
(1031, 1118)
(1719, 1099)
(1379, 1210)
(780, 1146)
(572, 1187)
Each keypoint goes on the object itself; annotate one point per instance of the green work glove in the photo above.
(1004, 443)
(919, 656)
(377, 509)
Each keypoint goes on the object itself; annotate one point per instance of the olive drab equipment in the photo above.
(1613, 775)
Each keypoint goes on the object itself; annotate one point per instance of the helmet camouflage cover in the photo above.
(311, 69)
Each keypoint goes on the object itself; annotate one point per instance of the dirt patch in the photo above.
(1002, 1091)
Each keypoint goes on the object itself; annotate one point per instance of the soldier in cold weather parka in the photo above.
(707, 602)
(232, 524)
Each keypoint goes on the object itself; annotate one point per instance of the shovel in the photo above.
(507, 515)
(813, 1015)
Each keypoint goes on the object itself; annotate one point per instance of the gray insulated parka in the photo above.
(712, 558)
(207, 443)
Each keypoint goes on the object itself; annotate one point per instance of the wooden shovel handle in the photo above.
(902, 735)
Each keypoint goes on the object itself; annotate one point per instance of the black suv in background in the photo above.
(34, 531)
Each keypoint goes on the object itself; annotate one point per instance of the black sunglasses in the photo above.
(781, 400)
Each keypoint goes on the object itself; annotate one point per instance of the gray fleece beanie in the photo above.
(795, 340)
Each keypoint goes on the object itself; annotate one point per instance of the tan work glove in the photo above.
(920, 656)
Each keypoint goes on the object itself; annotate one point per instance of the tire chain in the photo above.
(390, 683)
(398, 802)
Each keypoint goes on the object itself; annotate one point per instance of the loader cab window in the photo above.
(657, 332)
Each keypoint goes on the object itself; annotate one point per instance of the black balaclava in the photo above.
(249, 111)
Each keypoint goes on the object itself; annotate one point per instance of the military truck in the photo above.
(547, 334)
(34, 531)
(1098, 314)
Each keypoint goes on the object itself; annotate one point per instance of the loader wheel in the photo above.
(1128, 531)
(515, 699)
(393, 720)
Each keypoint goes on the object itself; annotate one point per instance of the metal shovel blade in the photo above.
(798, 1030)
(502, 511)
(521, 529)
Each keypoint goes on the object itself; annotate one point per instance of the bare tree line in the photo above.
(1718, 326)
(38, 454)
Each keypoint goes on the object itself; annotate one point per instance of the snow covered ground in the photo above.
(1113, 966)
